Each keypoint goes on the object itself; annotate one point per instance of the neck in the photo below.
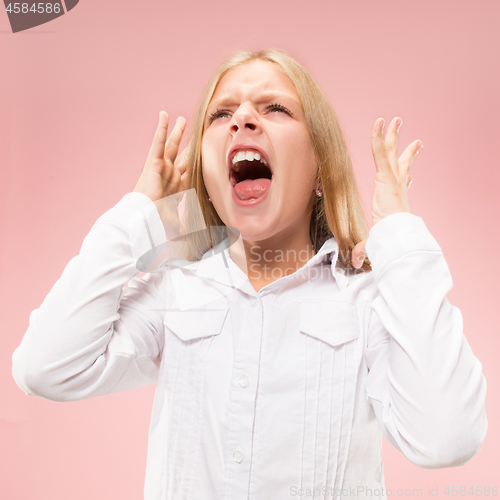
(267, 260)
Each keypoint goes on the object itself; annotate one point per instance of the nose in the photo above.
(244, 118)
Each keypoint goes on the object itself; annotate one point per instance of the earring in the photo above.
(319, 192)
(209, 200)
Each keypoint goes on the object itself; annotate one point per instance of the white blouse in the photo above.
(265, 395)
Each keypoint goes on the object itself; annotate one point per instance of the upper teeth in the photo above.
(248, 155)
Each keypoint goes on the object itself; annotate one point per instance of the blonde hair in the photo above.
(338, 212)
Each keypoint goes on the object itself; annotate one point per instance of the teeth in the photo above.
(248, 155)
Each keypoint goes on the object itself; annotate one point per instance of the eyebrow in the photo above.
(266, 96)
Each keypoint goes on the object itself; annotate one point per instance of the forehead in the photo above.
(252, 78)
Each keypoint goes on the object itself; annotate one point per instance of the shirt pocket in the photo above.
(197, 323)
(332, 321)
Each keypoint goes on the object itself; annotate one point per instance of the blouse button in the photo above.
(253, 301)
(244, 380)
(238, 456)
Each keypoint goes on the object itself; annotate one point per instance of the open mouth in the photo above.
(250, 174)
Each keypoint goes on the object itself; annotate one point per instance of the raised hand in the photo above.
(391, 180)
(162, 174)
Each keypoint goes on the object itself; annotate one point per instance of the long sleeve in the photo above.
(93, 335)
(425, 385)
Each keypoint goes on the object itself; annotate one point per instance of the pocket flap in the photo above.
(190, 324)
(332, 321)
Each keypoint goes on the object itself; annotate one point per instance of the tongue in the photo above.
(251, 188)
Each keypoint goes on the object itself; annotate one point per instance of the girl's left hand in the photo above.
(391, 180)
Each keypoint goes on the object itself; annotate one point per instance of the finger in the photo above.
(391, 142)
(358, 254)
(180, 162)
(378, 147)
(172, 145)
(409, 181)
(158, 147)
(406, 159)
(183, 182)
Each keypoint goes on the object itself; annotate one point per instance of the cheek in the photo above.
(211, 171)
(210, 153)
(301, 159)
(308, 158)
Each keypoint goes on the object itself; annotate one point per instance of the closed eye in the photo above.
(272, 108)
(279, 107)
(218, 114)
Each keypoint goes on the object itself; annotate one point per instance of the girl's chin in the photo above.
(252, 223)
(251, 230)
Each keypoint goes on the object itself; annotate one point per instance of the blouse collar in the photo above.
(217, 264)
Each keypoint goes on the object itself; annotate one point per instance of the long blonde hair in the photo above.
(338, 212)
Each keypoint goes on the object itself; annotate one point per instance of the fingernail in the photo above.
(382, 123)
(399, 123)
(419, 146)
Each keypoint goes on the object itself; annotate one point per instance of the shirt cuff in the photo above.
(138, 215)
(395, 236)
(158, 231)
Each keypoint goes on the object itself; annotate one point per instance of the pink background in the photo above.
(79, 104)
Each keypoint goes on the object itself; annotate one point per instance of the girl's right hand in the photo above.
(161, 175)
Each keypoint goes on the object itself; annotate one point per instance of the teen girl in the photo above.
(280, 352)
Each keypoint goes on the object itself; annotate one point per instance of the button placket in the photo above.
(243, 394)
